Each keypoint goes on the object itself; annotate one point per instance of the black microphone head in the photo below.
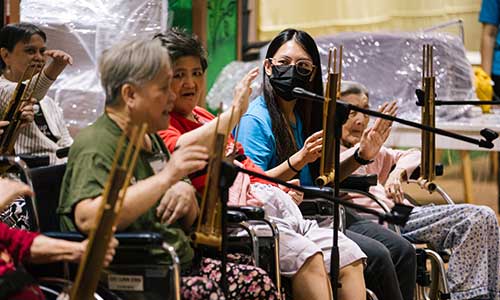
(420, 97)
(304, 94)
(489, 134)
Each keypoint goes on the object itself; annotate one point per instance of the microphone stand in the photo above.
(342, 113)
(495, 101)
(398, 215)
(489, 135)
(421, 96)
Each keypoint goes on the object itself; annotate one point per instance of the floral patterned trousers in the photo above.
(471, 233)
(243, 282)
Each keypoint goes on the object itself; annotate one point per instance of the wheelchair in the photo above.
(127, 277)
(431, 284)
(322, 210)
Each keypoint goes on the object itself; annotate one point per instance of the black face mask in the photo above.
(284, 78)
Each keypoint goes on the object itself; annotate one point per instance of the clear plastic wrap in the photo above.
(223, 88)
(84, 29)
(389, 64)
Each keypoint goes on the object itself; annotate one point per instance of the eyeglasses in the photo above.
(304, 67)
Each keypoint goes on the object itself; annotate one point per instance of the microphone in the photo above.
(303, 94)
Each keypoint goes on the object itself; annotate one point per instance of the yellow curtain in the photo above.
(320, 17)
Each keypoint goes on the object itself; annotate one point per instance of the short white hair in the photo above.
(353, 87)
(134, 61)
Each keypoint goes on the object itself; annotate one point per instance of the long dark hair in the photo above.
(12, 34)
(310, 112)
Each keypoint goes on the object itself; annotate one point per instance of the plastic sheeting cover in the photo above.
(389, 64)
(84, 29)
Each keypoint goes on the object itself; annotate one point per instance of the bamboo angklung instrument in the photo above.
(12, 112)
(332, 92)
(332, 131)
(208, 229)
(107, 216)
(211, 224)
(428, 160)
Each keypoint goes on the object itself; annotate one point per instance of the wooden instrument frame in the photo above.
(111, 204)
(23, 92)
(332, 93)
(428, 139)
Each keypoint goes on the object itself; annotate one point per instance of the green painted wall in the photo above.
(222, 31)
(180, 13)
(222, 36)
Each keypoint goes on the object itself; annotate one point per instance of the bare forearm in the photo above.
(47, 250)
(488, 41)
(283, 171)
(203, 135)
(348, 166)
(139, 199)
(52, 70)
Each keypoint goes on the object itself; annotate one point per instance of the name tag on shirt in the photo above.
(157, 162)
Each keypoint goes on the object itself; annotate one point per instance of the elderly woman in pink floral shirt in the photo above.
(470, 231)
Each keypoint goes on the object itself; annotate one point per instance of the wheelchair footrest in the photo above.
(423, 276)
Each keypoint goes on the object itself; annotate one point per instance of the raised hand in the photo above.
(60, 60)
(373, 138)
(243, 90)
(311, 150)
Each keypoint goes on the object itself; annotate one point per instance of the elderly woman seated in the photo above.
(19, 247)
(470, 231)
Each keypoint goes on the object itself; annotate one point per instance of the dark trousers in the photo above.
(496, 97)
(391, 265)
(496, 87)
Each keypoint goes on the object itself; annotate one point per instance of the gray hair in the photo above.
(353, 87)
(134, 61)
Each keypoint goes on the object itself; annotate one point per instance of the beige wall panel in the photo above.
(320, 17)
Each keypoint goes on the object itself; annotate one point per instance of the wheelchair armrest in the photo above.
(68, 236)
(251, 212)
(359, 182)
(439, 171)
(315, 207)
(234, 216)
(139, 238)
(34, 161)
(62, 152)
(124, 238)
(312, 192)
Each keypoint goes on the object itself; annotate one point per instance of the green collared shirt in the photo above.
(89, 164)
